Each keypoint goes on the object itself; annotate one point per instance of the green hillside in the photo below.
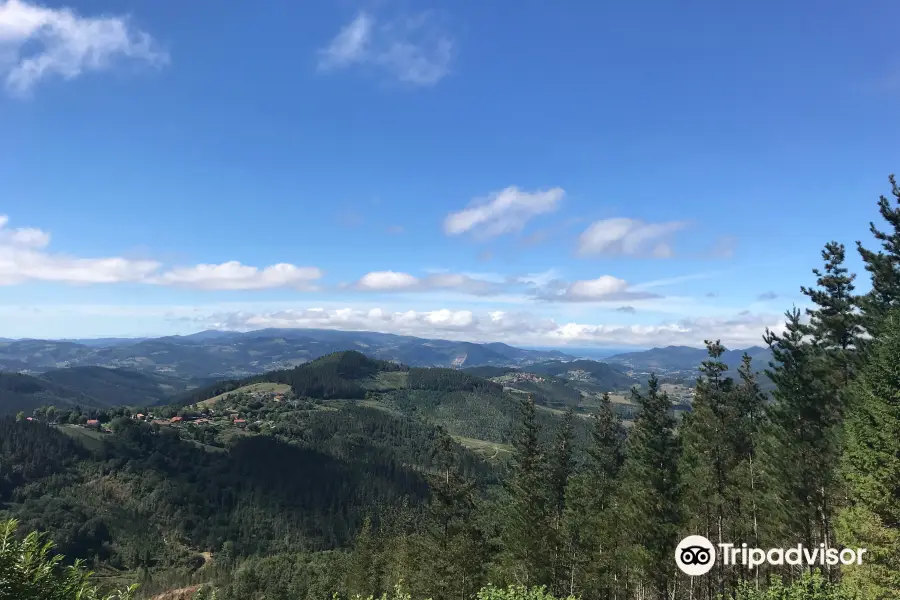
(601, 375)
(117, 386)
(25, 393)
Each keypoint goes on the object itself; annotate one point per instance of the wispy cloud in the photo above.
(349, 46)
(767, 296)
(628, 237)
(656, 283)
(627, 309)
(503, 212)
(37, 42)
(412, 49)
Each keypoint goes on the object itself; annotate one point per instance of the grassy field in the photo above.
(89, 438)
(387, 380)
(278, 388)
(488, 450)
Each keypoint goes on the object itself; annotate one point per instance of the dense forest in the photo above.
(372, 478)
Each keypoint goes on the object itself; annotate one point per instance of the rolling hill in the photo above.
(599, 374)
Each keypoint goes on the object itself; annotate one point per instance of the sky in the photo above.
(582, 174)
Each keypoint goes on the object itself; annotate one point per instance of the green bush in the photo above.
(516, 592)
(30, 571)
(808, 587)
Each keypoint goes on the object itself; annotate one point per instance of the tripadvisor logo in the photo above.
(696, 555)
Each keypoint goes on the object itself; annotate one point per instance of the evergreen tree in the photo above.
(752, 487)
(526, 552)
(364, 572)
(835, 322)
(806, 421)
(871, 469)
(708, 459)
(455, 546)
(883, 265)
(652, 491)
(560, 469)
(591, 525)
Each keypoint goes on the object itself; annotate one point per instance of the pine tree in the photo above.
(560, 470)
(526, 552)
(708, 458)
(805, 425)
(883, 265)
(835, 322)
(652, 489)
(871, 469)
(591, 521)
(364, 573)
(455, 546)
(752, 497)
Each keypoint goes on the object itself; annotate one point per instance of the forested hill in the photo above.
(599, 373)
(25, 393)
(85, 387)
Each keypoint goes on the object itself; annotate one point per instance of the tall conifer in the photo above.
(871, 469)
(653, 490)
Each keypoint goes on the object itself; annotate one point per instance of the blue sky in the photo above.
(595, 174)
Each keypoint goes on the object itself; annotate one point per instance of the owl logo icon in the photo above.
(695, 555)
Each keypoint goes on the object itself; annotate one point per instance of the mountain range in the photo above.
(222, 354)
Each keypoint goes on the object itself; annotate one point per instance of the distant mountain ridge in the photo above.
(225, 354)
(685, 358)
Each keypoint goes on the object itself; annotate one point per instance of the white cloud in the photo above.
(413, 50)
(36, 42)
(26, 237)
(503, 212)
(23, 258)
(628, 237)
(233, 275)
(521, 328)
(393, 281)
(601, 287)
(387, 281)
